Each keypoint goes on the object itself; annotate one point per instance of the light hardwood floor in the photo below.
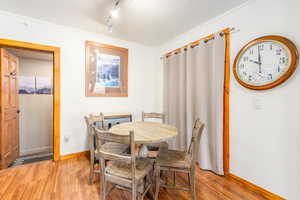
(68, 180)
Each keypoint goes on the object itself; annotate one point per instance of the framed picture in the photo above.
(106, 70)
(35, 85)
(43, 85)
(27, 85)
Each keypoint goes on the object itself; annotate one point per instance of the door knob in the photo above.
(18, 111)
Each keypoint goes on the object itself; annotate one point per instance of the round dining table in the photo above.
(146, 133)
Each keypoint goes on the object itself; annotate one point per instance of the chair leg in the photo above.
(189, 178)
(103, 187)
(151, 192)
(193, 185)
(174, 178)
(92, 168)
(134, 192)
(157, 181)
(164, 178)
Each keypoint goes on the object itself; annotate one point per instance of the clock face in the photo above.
(263, 63)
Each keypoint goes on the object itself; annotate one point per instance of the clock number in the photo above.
(246, 58)
(250, 78)
(271, 47)
(278, 52)
(282, 60)
(251, 52)
(270, 77)
(242, 66)
(261, 47)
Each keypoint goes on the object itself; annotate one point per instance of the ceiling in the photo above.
(150, 22)
(24, 53)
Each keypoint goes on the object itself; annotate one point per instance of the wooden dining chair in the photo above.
(154, 115)
(179, 161)
(98, 121)
(123, 171)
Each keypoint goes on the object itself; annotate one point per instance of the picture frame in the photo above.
(106, 72)
(35, 85)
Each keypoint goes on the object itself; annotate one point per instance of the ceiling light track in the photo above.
(114, 13)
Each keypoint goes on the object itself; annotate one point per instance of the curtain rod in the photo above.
(197, 42)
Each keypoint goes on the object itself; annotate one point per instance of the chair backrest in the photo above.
(154, 115)
(91, 121)
(193, 150)
(94, 119)
(103, 136)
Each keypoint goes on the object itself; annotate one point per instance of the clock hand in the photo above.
(256, 62)
(259, 59)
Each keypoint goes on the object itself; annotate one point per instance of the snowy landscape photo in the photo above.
(27, 85)
(108, 71)
(43, 85)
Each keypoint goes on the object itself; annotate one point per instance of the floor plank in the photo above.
(68, 180)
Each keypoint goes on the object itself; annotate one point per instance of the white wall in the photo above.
(36, 117)
(264, 144)
(142, 80)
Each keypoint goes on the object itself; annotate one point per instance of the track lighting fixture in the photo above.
(109, 23)
(114, 13)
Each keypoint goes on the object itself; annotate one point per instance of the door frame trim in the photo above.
(56, 87)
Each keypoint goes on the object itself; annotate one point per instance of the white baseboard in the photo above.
(25, 152)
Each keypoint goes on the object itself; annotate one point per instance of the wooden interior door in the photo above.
(9, 108)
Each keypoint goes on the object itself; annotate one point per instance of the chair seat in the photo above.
(173, 158)
(115, 148)
(121, 169)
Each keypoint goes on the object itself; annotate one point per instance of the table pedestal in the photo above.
(143, 151)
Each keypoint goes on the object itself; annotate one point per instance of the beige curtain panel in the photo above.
(194, 87)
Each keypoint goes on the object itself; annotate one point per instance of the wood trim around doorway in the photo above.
(56, 87)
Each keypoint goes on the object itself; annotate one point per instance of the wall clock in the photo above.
(265, 62)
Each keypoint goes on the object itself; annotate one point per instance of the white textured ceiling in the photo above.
(150, 22)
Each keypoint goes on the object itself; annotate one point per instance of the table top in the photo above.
(146, 132)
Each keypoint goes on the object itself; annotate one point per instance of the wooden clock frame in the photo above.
(293, 54)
